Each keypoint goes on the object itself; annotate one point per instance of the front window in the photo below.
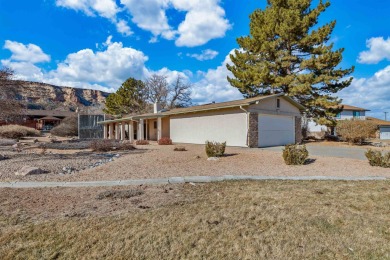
(338, 115)
(356, 113)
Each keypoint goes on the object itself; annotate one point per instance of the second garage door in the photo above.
(384, 133)
(275, 130)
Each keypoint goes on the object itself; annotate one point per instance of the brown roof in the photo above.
(378, 121)
(55, 113)
(348, 107)
(212, 106)
(50, 118)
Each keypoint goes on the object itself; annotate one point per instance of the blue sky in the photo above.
(100, 43)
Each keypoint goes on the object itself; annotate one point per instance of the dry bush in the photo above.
(106, 145)
(17, 131)
(119, 194)
(142, 142)
(180, 149)
(215, 149)
(165, 141)
(295, 154)
(376, 158)
(67, 127)
(356, 131)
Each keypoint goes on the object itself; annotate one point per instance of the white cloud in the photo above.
(204, 55)
(379, 49)
(105, 8)
(105, 69)
(28, 53)
(372, 93)
(203, 22)
(213, 85)
(123, 28)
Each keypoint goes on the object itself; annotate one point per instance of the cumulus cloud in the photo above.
(104, 69)
(105, 8)
(204, 21)
(204, 55)
(379, 49)
(372, 93)
(213, 85)
(26, 52)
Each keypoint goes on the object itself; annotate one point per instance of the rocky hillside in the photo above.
(46, 96)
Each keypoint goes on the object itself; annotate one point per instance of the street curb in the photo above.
(181, 180)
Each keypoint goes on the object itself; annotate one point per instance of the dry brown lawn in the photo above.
(227, 220)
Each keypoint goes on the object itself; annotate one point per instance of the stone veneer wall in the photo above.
(298, 130)
(253, 131)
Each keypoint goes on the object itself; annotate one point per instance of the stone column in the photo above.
(298, 130)
(131, 131)
(159, 128)
(253, 130)
(117, 131)
(105, 131)
(123, 131)
(111, 131)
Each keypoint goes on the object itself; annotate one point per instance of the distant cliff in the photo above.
(46, 96)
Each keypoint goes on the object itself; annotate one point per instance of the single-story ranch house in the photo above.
(254, 122)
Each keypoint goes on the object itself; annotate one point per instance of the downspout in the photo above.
(247, 125)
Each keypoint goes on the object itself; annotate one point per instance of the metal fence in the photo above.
(89, 127)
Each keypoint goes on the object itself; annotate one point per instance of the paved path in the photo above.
(330, 151)
(175, 180)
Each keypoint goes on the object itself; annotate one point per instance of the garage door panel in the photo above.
(385, 133)
(225, 127)
(276, 130)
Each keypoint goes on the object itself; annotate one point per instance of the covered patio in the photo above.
(151, 127)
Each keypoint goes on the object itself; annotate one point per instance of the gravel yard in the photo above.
(154, 161)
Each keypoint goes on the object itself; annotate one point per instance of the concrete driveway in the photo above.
(329, 151)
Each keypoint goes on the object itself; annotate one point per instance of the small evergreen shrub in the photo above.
(295, 154)
(142, 142)
(215, 149)
(165, 141)
(376, 158)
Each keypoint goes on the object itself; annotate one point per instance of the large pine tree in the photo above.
(287, 52)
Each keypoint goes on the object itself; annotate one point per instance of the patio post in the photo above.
(123, 131)
(105, 131)
(159, 128)
(117, 131)
(111, 131)
(131, 131)
(141, 129)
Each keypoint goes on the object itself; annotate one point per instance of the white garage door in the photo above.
(385, 133)
(220, 128)
(276, 130)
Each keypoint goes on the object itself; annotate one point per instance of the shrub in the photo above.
(214, 149)
(356, 131)
(180, 149)
(142, 142)
(331, 138)
(106, 145)
(17, 131)
(67, 127)
(375, 158)
(165, 141)
(295, 154)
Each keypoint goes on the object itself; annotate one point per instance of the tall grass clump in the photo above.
(17, 131)
(67, 127)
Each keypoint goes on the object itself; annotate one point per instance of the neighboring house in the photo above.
(43, 120)
(351, 112)
(255, 122)
(348, 112)
(383, 127)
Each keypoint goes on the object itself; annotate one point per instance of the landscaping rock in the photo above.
(3, 157)
(212, 159)
(28, 170)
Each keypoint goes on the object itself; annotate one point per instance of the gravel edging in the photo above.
(181, 180)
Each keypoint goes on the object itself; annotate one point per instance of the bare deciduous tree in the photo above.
(169, 96)
(10, 108)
